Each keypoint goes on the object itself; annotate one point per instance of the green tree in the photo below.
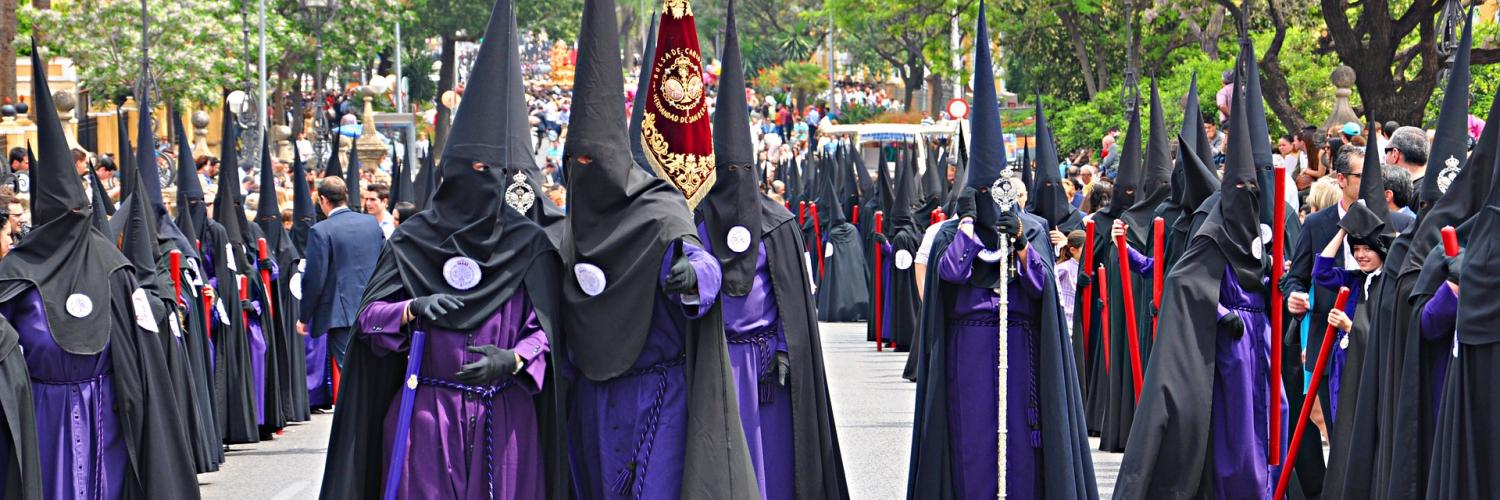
(900, 34)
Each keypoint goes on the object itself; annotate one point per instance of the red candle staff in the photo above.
(1307, 402)
(1158, 268)
(818, 239)
(1450, 241)
(1088, 291)
(1278, 263)
(1127, 296)
(265, 276)
(174, 260)
(1104, 315)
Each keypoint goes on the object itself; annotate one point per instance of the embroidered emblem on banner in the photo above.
(738, 239)
(675, 133)
(461, 273)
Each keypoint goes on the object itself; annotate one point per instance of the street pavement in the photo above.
(872, 407)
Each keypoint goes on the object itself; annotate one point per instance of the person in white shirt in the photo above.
(375, 198)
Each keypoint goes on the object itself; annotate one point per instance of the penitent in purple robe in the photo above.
(628, 433)
(1439, 328)
(973, 348)
(1240, 425)
(448, 449)
(755, 338)
(82, 453)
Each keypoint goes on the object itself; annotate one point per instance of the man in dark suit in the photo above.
(341, 253)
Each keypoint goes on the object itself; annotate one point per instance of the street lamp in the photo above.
(1450, 22)
(317, 13)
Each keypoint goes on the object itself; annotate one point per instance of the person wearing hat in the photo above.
(1350, 130)
(1364, 232)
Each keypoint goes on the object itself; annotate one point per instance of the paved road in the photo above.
(872, 407)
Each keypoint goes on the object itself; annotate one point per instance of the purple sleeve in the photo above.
(957, 261)
(1327, 275)
(707, 269)
(532, 348)
(1032, 275)
(380, 325)
(1440, 315)
(1140, 263)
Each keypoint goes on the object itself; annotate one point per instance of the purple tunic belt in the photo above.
(466, 441)
(82, 453)
(972, 357)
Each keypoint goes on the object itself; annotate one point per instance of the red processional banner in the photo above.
(675, 128)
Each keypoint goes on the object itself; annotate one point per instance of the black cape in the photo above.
(23, 471)
(1067, 466)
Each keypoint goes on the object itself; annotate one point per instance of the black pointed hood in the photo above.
(335, 166)
(398, 174)
(426, 182)
(64, 257)
(1050, 198)
(103, 209)
(468, 217)
(138, 239)
(352, 177)
(987, 162)
(642, 87)
(1027, 178)
(732, 211)
(304, 213)
(1260, 135)
(403, 189)
(906, 196)
(1156, 180)
(1199, 182)
(620, 219)
(147, 175)
(267, 211)
(1450, 143)
(126, 160)
(1128, 177)
(229, 210)
(1237, 228)
(192, 214)
(1458, 205)
(1371, 180)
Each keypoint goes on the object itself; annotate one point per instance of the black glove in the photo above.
(783, 369)
(1233, 324)
(495, 365)
(1084, 281)
(1454, 266)
(966, 203)
(880, 238)
(434, 306)
(682, 278)
(1009, 226)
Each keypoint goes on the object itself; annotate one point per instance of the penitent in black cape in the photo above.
(736, 201)
(284, 296)
(465, 217)
(1466, 449)
(844, 288)
(622, 220)
(1170, 455)
(1066, 464)
(63, 258)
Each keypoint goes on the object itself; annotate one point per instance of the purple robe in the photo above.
(448, 449)
(82, 453)
(755, 338)
(1439, 322)
(628, 433)
(319, 375)
(973, 347)
(1328, 275)
(257, 336)
(1240, 424)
